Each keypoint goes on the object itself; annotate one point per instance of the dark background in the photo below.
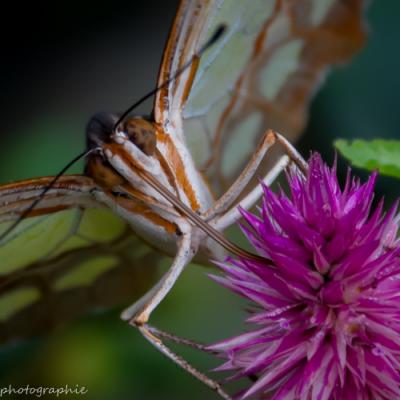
(61, 63)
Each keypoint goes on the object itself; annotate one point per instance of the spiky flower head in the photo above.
(326, 316)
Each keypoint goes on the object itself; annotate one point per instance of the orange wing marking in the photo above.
(174, 159)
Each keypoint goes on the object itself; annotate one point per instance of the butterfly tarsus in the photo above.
(150, 333)
(177, 339)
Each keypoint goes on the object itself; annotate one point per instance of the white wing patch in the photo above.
(284, 62)
(251, 125)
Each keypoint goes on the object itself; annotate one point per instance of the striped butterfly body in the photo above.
(168, 185)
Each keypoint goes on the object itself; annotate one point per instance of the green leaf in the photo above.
(378, 154)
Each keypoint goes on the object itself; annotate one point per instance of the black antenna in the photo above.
(213, 39)
(43, 193)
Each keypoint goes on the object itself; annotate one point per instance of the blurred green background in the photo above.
(70, 60)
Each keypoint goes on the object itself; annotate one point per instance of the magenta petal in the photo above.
(290, 362)
(325, 301)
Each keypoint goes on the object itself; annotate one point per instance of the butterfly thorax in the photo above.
(137, 147)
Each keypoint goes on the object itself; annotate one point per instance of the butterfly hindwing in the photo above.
(260, 75)
(70, 256)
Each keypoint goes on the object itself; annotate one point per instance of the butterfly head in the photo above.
(134, 138)
(140, 132)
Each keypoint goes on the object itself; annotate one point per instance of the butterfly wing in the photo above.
(68, 256)
(260, 75)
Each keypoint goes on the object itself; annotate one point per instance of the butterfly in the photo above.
(169, 185)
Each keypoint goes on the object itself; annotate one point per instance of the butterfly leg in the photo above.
(233, 214)
(139, 313)
(292, 153)
(179, 340)
(292, 156)
(227, 199)
(150, 333)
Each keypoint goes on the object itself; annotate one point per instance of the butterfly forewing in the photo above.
(70, 256)
(260, 75)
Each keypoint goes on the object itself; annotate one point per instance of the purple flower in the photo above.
(326, 301)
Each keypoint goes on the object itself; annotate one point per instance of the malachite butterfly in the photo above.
(96, 239)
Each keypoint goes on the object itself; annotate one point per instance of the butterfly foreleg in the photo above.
(227, 199)
(292, 157)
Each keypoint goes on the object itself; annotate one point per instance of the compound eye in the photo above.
(142, 134)
(99, 129)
